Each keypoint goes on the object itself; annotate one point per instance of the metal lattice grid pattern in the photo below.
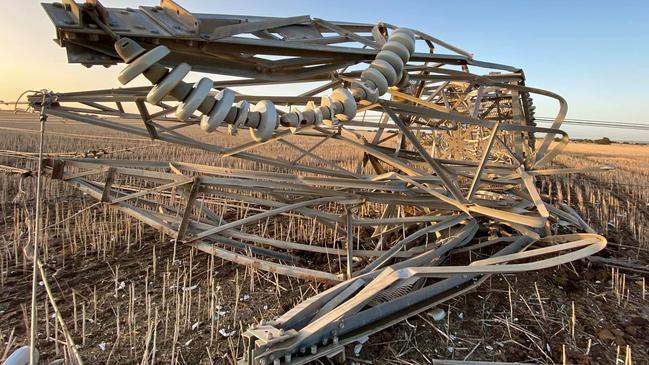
(443, 160)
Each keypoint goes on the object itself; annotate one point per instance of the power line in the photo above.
(611, 126)
(598, 123)
(602, 121)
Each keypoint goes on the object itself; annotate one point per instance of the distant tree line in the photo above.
(603, 140)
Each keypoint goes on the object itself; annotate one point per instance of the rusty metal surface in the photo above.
(442, 160)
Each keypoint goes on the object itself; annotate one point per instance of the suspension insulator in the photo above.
(393, 59)
(169, 83)
(387, 69)
(216, 117)
(268, 121)
(243, 108)
(346, 98)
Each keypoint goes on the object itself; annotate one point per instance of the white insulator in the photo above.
(267, 121)
(128, 49)
(377, 78)
(243, 109)
(163, 88)
(343, 96)
(392, 58)
(386, 70)
(198, 94)
(317, 113)
(407, 31)
(368, 93)
(224, 101)
(404, 38)
(294, 123)
(142, 63)
(399, 49)
(292, 119)
(327, 103)
(404, 83)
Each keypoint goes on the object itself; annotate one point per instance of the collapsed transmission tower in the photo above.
(444, 160)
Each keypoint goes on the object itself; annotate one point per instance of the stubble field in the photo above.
(129, 294)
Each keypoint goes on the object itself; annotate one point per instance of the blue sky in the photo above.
(594, 53)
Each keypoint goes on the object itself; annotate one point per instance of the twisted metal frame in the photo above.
(445, 162)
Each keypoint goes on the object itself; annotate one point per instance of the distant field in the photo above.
(619, 197)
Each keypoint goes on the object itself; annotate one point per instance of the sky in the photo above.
(593, 53)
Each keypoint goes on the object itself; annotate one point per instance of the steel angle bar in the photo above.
(528, 181)
(398, 220)
(72, 176)
(425, 296)
(153, 220)
(320, 159)
(254, 250)
(185, 141)
(251, 27)
(148, 191)
(372, 150)
(329, 324)
(269, 213)
(346, 33)
(445, 224)
(293, 271)
(485, 155)
(438, 168)
(447, 158)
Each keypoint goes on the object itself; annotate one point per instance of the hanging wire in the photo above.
(20, 97)
(33, 355)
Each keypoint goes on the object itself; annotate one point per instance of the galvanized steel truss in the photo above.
(446, 162)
